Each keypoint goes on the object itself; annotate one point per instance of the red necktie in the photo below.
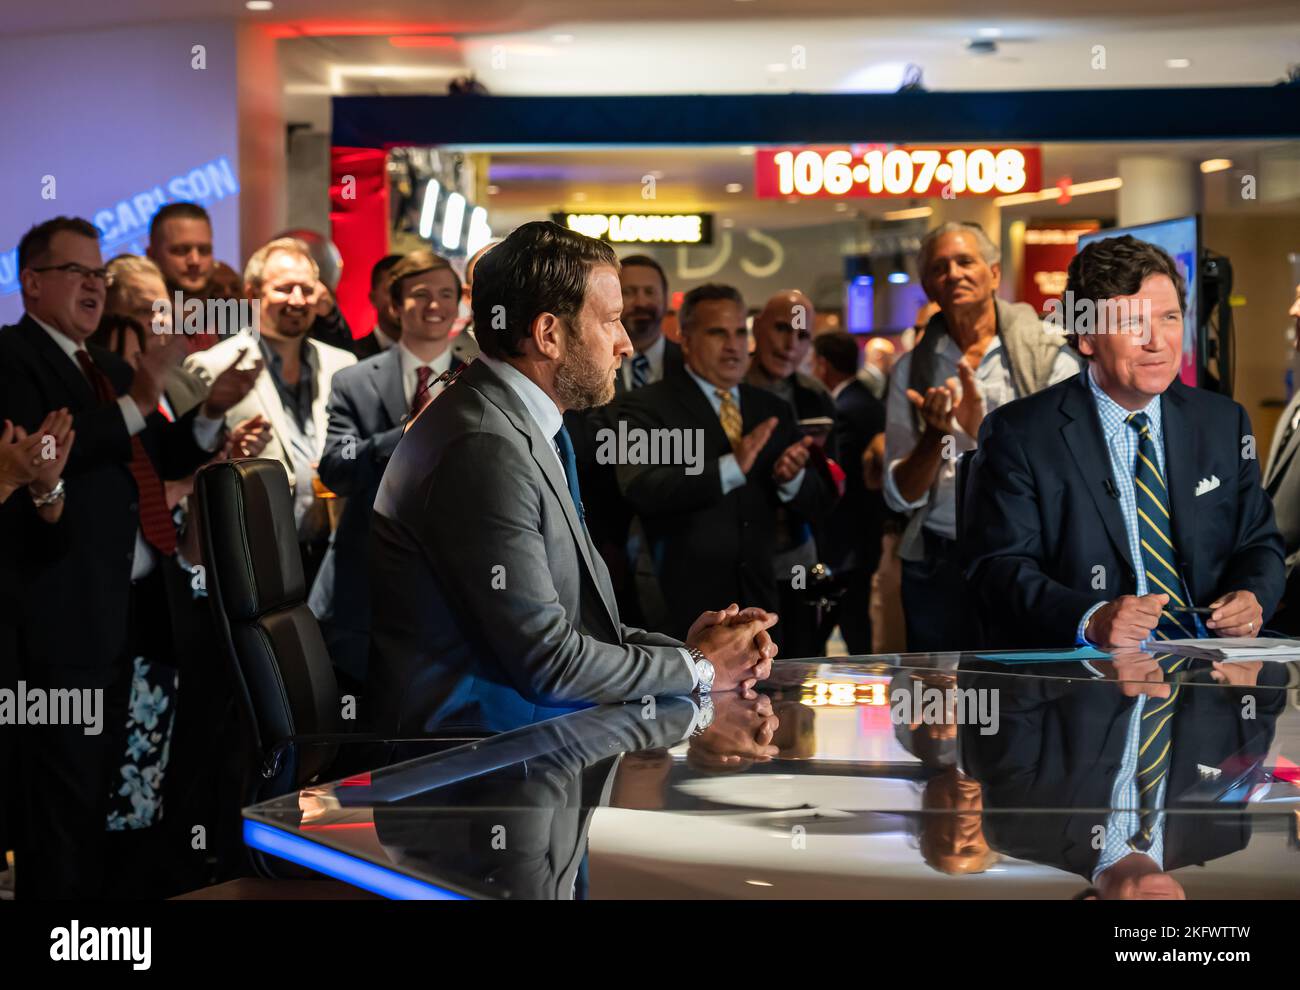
(422, 397)
(155, 520)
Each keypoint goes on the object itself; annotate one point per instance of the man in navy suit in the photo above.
(1102, 506)
(368, 410)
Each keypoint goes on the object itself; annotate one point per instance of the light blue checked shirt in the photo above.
(1122, 445)
(1123, 822)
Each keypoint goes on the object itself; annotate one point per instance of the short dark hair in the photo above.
(35, 245)
(381, 268)
(708, 292)
(1117, 266)
(112, 330)
(838, 349)
(645, 261)
(540, 268)
(421, 261)
(176, 211)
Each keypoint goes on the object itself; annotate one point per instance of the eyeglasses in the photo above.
(72, 268)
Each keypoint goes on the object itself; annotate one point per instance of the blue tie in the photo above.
(640, 370)
(564, 445)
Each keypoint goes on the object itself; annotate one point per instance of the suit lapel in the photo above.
(1182, 468)
(59, 363)
(1278, 456)
(386, 374)
(1084, 440)
(274, 412)
(483, 378)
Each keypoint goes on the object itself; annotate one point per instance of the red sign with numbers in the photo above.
(867, 170)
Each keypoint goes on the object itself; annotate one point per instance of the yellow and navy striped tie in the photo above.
(1156, 742)
(729, 413)
(1155, 530)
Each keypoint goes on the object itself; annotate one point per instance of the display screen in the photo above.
(1181, 239)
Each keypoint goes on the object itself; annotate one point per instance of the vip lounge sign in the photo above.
(641, 228)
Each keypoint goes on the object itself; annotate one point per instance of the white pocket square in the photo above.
(1207, 484)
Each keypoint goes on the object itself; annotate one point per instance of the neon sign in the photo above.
(125, 224)
(883, 170)
(641, 228)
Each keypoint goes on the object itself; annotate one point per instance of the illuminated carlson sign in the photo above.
(885, 170)
(641, 228)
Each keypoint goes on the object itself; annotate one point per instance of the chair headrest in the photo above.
(252, 538)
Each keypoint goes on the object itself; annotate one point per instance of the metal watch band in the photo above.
(50, 497)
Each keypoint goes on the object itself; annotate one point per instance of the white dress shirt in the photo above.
(995, 384)
(654, 354)
(206, 434)
(411, 366)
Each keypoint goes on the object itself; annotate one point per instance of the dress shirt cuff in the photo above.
(894, 498)
(730, 473)
(690, 665)
(787, 490)
(1079, 638)
(207, 432)
(131, 415)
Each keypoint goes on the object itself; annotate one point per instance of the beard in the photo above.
(580, 382)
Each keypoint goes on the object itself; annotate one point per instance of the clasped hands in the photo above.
(737, 643)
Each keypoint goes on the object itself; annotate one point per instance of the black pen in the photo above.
(1188, 608)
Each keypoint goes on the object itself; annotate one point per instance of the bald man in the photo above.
(783, 334)
(877, 359)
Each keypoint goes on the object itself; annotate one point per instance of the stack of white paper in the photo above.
(1230, 648)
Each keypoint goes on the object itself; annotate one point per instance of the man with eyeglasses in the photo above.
(114, 531)
(783, 334)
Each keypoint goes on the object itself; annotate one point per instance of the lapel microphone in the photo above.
(1111, 490)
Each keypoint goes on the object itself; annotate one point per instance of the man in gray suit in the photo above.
(492, 608)
(1282, 482)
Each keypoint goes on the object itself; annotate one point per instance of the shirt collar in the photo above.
(709, 389)
(1114, 416)
(835, 392)
(540, 407)
(411, 363)
(274, 361)
(655, 355)
(66, 343)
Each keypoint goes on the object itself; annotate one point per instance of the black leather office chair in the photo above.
(283, 675)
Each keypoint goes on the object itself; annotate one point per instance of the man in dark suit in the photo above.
(388, 326)
(1099, 508)
(116, 531)
(610, 518)
(369, 406)
(782, 340)
(849, 542)
(710, 512)
(492, 608)
(1282, 482)
(1072, 747)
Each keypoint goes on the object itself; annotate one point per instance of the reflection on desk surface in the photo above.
(916, 776)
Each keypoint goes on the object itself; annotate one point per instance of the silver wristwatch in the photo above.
(703, 670)
(50, 497)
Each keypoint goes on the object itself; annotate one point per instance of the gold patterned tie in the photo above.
(729, 413)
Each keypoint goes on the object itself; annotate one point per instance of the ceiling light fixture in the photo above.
(1215, 165)
(259, 5)
(1178, 63)
(914, 213)
(734, 187)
